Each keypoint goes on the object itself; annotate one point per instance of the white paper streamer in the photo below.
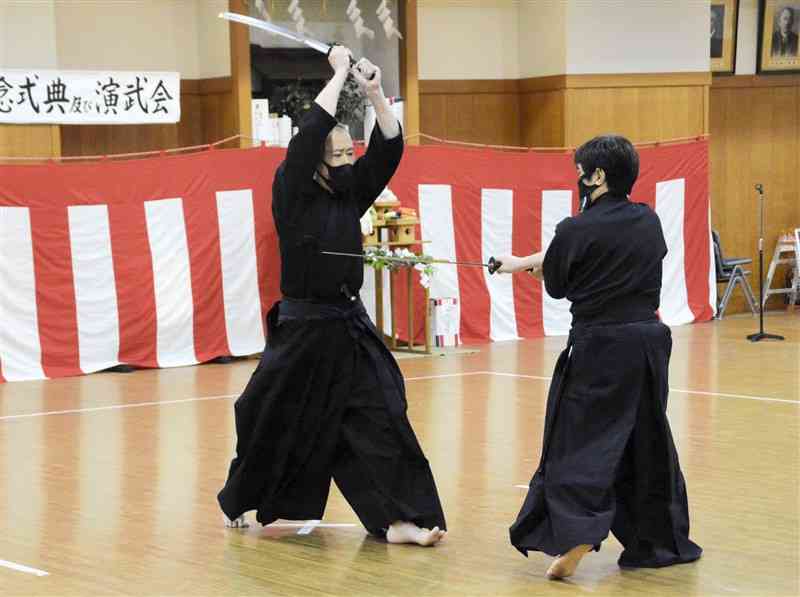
(261, 10)
(297, 16)
(384, 16)
(354, 14)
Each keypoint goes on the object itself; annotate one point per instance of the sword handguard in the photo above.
(494, 265)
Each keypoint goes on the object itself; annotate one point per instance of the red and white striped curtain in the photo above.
(475, 203)
(171, 261)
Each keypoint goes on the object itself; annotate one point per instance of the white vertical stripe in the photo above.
(20, 350)
(556, 205)
(237, 241)
(712, 273)
(436, 223)
(674, 308)
(367, 294)
(95, 287)
(172, 281)
(387, 303)
(497, 222)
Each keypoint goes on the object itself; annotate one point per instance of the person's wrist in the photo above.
(375, 94)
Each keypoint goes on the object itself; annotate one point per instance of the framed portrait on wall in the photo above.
(724, 16)
(778, 34)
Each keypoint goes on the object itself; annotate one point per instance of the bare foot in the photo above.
(408, 532)
(239, 523)
(565, 565)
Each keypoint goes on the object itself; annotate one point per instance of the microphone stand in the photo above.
(761, 335)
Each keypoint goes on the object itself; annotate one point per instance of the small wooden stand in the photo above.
(401, 235)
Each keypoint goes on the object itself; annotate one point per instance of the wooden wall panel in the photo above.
(473, 111)
(21, 140)
(432, 115)
(755, 138)
(642, 114)
(218, 110)
(542, 118)
(566, 110)
(207, 115)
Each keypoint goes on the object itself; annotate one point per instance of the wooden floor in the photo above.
(108, 482)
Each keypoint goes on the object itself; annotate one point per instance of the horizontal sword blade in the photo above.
(405, 259)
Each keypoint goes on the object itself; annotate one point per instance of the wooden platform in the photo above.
(108, 482)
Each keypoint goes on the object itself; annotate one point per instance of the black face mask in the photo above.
(340, 178)
(585, 193)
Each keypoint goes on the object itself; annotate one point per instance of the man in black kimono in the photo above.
(327, 399)
(608, 459)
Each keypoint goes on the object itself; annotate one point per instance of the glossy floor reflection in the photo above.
(111, 500)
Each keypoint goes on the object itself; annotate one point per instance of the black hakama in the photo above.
(608, 460)
(327, 400)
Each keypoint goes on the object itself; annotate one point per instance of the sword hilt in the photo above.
(352, 60)
(495, 265)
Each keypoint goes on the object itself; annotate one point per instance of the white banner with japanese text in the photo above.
(89, 97)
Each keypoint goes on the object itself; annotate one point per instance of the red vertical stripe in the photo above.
(267, 249)
(475, 304)
(205, 263)
(133, 270)
(55, 292)
(527, 239)
(696, 234)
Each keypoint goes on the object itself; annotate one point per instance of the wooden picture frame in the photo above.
(778, 36)
(724, 22)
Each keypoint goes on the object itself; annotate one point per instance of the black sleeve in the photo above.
(373, 171)
(558, 261)
(307, 146)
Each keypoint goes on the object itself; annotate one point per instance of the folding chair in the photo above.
(731, 272)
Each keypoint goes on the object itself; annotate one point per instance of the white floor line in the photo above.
(739, 396)
(21, 568)
(48, 413)
(498, 373)
(421, 378)
(305, 528)
(676, 390)
(521, 486)
(184, 400)
(447, 375)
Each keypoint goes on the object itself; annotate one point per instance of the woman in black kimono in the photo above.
(608, 460)
(327, 399)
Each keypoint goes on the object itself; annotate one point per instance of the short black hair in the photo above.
(791, 14)
(613, 154)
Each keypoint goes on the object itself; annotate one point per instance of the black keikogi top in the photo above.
(310, 219)
(607, 261)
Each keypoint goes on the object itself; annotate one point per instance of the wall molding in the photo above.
(468, 86)
(563, 82)
(614, 81)
(750, 81)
